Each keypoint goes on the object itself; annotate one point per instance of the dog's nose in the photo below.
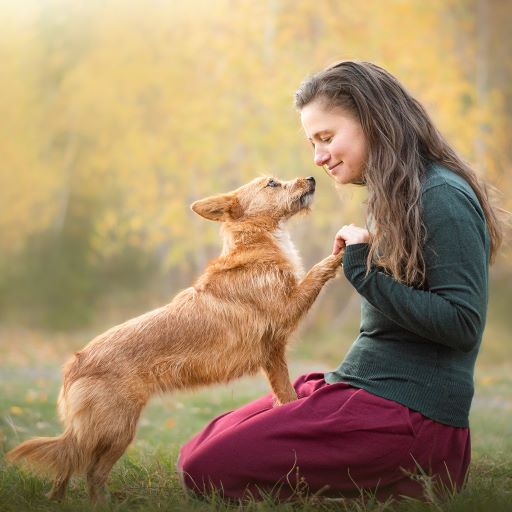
(311, 180)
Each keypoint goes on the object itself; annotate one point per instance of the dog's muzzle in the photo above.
(306, 199)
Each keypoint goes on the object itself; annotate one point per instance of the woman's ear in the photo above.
(221, 207)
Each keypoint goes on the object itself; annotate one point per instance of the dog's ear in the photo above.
(221, 207)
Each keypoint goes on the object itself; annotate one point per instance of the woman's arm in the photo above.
(452, 311)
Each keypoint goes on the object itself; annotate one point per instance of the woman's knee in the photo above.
(198, 471)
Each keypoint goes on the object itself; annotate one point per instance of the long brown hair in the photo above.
(402, 141)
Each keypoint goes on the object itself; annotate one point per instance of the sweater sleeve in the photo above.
(452, 310)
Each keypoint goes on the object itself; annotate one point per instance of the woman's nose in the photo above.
(321, 157)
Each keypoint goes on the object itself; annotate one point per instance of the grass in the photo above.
(144, 479)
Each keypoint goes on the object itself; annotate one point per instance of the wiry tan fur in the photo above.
(235, 320)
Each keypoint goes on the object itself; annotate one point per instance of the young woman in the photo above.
(398, 405)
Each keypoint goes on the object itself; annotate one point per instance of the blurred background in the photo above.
(116, 114)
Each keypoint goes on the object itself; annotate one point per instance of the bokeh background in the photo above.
(116, 114)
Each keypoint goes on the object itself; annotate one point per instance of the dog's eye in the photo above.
(272, 183)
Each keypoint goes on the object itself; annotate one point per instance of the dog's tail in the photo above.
(54, 455)
(100, 418)
(57, 456)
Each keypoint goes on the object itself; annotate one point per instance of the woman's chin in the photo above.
(340, 179)
(344, 178)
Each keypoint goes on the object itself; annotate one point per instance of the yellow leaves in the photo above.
(170, 423)
(33, 395)
(169, 100)
(16, 410)
(487, 380)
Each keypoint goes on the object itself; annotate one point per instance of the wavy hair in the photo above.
(402, 141)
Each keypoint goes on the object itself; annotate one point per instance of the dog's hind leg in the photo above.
(60, 485)
(98, 471)
(108, 451)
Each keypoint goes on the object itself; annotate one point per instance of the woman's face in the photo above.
(338, 140)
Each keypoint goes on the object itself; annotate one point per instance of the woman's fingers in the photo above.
(348, 235)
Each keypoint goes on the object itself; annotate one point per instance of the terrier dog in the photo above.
(235, 320)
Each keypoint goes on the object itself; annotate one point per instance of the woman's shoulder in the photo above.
(446, 182)
(444, 190)
(438, 174)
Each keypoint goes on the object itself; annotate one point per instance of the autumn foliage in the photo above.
(117, 115)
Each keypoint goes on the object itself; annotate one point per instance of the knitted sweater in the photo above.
(418, 347)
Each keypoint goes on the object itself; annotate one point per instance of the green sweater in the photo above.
(418, 346)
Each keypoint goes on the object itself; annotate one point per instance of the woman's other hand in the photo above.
(349, 235)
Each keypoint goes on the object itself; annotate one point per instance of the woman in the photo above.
(398, 405)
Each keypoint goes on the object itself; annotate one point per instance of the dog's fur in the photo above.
(236, 319)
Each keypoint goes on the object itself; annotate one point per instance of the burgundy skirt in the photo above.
(335, 440)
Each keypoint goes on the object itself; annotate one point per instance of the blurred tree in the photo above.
(117, 115)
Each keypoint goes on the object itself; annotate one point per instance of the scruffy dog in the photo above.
(236, 319)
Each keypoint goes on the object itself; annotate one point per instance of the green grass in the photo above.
(144, 479)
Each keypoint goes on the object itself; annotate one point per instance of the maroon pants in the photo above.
(335, 439)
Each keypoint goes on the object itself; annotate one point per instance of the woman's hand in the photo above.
(349, 235)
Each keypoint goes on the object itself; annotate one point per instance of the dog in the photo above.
(234, 321)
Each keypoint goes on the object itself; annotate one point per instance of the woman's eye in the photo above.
(272, 183)
(327, 139)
